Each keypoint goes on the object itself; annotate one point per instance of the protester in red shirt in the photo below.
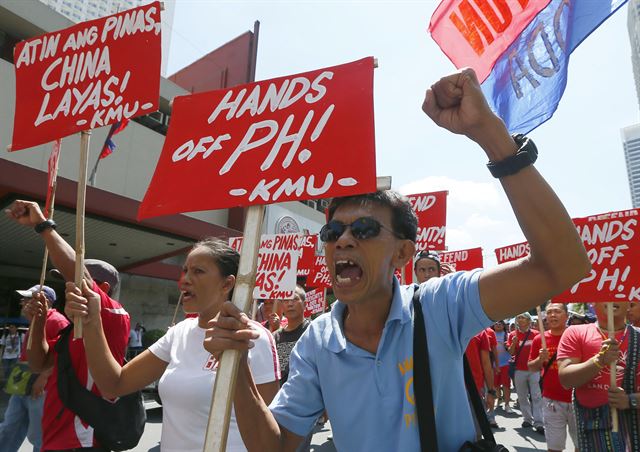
(527, 382)
(62, 429)
(633, 314)
(477, 354)
(557, 410)
(585, 354)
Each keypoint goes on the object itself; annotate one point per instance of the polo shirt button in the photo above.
(378, 362)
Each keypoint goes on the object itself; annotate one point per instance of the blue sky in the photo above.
(580, 148)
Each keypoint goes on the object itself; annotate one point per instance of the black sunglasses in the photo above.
(362, 228)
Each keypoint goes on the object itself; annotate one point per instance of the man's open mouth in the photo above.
(347, 272)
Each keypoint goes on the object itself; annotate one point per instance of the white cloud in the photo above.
(466, 192)
(478, 214)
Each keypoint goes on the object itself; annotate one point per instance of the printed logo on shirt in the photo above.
(211, 363)
(406, 370)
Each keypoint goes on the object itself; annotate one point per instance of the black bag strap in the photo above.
(548, 366)
(526, 336)
(476, 403)
(422, 386)
(422, 380)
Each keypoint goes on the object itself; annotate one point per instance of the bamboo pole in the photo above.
(224, 387)
(175, 311)
(46, 250)
(541, 327)
(612, 366)
(85, 137)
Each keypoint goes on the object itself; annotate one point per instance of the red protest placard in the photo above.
(315, 302)
(303, 136)
(512, 252)
(278, 258)
(320, 278)
(308, 245)
(408, 273)
(464, 259)
(431, 209)
(52, 166)
(612, 241)
(86, 76)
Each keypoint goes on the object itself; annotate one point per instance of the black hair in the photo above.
(427, 255)
(225, 257)
(564, 306)
(403, 219)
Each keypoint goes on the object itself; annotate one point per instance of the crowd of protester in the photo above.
(354, 364)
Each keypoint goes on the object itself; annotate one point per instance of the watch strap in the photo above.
(46, 224)
(526, 155)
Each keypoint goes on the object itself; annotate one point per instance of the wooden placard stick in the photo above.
(43, 273)
(541, 327)
(175, 311)
(85, 137)
(224, 387)
(612, 367)
(215, 439)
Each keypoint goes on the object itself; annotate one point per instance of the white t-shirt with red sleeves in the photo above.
(583, 342)
(62, 429)
(186, 387)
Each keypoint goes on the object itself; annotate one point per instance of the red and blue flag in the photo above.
(519, 49)
(109, 144)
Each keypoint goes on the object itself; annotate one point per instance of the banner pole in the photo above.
(612, 367)
(541, 327)
(43, 273)
(85, 137)
(220, 412)
(175, 311)
(254, 309)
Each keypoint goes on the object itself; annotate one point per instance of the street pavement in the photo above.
(510, 434)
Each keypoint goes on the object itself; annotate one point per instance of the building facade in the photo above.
(631, 144)
(633, 24)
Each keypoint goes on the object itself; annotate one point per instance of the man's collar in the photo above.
(335, 339)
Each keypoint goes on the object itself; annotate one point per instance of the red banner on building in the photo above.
(303, 136)
(612, 241)
(87, 76)
(431, 209)
(464, 259)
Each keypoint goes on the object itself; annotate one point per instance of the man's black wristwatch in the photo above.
(633, 401)
(527, 155)
(46, 224)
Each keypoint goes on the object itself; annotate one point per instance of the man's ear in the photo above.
(105, 286)
(404, 253)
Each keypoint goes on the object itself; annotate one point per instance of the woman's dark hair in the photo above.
(403, 219)
(225, 257)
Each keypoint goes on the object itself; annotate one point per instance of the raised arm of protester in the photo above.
(361, 243)
(557, 257)
(63, 256)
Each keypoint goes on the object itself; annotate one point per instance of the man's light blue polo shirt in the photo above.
(369, 397)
